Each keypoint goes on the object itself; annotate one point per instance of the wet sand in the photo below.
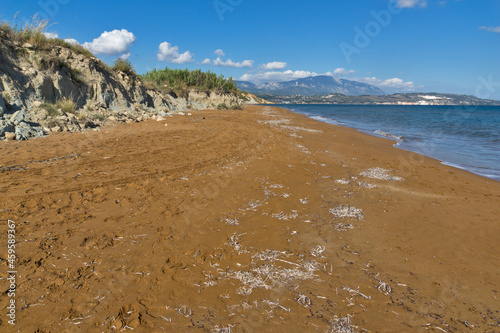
(245, 221)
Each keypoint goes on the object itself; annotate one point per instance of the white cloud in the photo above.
(51, 34)
(219, 52)
(230, 63)
(169, 53)
(395, 83)
(277, 76)
(343, 72)
(411, 3)
(184, 58)
(112, 43)
(125, 56)
(274, 65)
(491, 29)
(72, 41)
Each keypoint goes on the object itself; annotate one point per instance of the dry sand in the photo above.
(245, 221)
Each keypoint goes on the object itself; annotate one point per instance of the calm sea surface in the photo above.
(463, 137)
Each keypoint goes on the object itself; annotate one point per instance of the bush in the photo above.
(66, 104)
(236, 106)
(178, 79)
(124, 66)
(51, 110)
(76, 75)
(82, 117)
(222, 106)
(99, 117)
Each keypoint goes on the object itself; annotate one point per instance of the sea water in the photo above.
(466, 137)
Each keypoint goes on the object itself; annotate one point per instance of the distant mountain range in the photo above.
(310, 86)
(394, 99)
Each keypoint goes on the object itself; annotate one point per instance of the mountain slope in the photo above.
(310, 86)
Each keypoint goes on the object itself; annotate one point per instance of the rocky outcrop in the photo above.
(28, 75)
(201, 100)
(249, 98)
(3, 107)
(6, 127)
(33, 82)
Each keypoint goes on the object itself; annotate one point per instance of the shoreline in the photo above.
(398, 143)
(259, 220)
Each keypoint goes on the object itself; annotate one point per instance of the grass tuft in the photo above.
(76, 75)
(222, 106)
(33, 32)
(66, 104)
(51, 110)
(124, 66)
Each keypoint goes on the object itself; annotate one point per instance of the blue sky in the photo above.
(399, 45)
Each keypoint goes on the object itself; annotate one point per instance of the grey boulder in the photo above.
(3, 107)
(24, 131)
(6, 126)
(19, 116)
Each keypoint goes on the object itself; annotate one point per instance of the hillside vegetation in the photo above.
(179, 79)
(33, 33)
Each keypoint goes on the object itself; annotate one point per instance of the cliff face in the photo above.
(62, 90)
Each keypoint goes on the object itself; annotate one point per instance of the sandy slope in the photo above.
(240, 220)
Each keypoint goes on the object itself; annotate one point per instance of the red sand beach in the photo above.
(245, 221)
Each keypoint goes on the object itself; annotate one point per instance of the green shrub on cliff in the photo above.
(66, 104)
(234, 106)
(222, 106)
(178, 79)
(124, 66)
(51, 109)
(77, 48)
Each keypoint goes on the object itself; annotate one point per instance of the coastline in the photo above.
(260, 220)
(442, 151)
